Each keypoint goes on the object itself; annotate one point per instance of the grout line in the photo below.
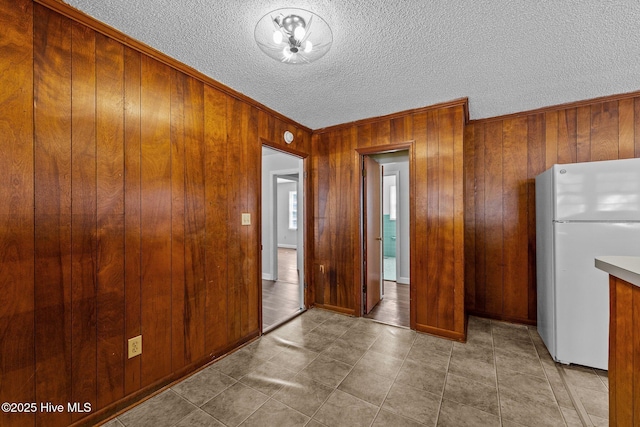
(495, 368)
(582, 414)
(575, 399)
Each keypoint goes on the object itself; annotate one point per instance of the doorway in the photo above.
(282, 237)
(394, 305)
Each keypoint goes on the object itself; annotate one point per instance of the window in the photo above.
(293, 210)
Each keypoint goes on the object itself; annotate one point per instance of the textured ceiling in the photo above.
(387, 56)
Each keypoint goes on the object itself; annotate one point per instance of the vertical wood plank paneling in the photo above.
(178, 106)
(604, 131)
(514, 202)
(195, 222)
(110, 219)
(235, 206)
(494, 218)
(446, 219)
(567, 136)
(116, 203)
(469, 216)
(84, 219)
(52, 126)
(346, 211)
(252, 240)
(583, 126)
(216, 219)
(156, 220)
(626, 129)
(320, 173)
(636, 127)
(433, 249)
(536, 165)
(330, 290)
(457, 289)
(132, 220)
(420, 268)
(17, 209)
(551, 138)
(480, 231)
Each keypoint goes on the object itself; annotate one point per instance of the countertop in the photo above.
(626, 268)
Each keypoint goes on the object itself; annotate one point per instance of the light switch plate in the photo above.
(246, 219)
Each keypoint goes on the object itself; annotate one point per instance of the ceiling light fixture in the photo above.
(293, 36)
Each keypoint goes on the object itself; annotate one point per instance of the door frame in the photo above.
(360, 273)
(307, 225)
(395, 174)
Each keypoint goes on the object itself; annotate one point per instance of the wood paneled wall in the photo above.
(502, 158)
(123, 180)
(434, 137)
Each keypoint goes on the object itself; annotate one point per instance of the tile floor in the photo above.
(325, 369)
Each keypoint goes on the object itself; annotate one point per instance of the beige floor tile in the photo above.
(268, 378)
(235, 404)
(423, 351)
(472, 369)
(344, 410)
(165, 409)
(506, 359)
(383, 364)
(389, 419)
(424, 341)
(344, 351)
(274, 413)
(303, 394)
(358, 338)
(599, 422)
(454, 414)
(594, 402)
(519, 386)
(365, 384)
(571, 417)
(529, 413)
(199, 418)
(422, 377)
(203, 386)
(472, 393)
(325, 370)
(584, 377)
(294, 358)
(409, 402)
(510, 330)
(238, 364)
(474, 352)
(524, 348)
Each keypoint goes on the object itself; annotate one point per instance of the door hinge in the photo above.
(364, 172)
(364, 289)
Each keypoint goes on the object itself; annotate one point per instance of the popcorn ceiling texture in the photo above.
(387, 56)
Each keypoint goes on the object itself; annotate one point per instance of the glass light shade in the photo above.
(293, 36)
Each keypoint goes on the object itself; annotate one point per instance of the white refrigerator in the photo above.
(583, 210)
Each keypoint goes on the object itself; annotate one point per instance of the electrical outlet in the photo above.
(135, 346)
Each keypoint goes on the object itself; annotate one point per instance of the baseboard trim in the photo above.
(267, 276)
(403, 280)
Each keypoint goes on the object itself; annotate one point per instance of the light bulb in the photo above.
(308, 46)
(299, 33)
(277, 37)
(286, 52)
